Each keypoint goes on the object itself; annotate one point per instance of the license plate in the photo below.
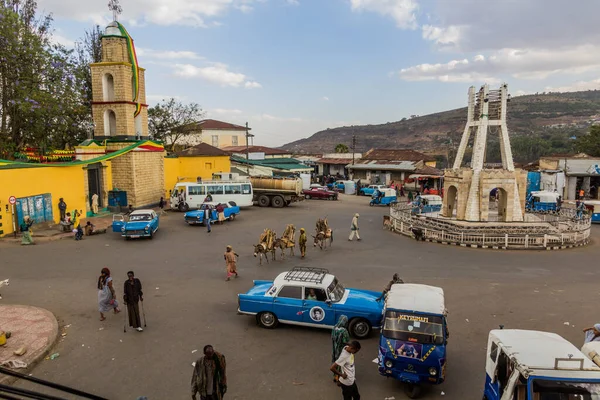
(134, 236)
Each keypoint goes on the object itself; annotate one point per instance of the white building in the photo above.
(215, 133)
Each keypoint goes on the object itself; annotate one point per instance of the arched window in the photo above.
(110, 123)
(108, 86)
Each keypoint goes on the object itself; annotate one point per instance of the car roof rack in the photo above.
(306, 274)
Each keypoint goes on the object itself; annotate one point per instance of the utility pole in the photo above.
(353, 147)
(247, 151)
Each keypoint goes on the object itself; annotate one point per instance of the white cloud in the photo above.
(216, 73)
(252, 85)
(167, 54)
(575, 87)
(174, 12)
(402, 11)
(325, 98)
(516, 63)
(293, 2)
(448, 36)
(224, 111)
(62, 40)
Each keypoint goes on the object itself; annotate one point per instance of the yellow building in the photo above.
(198, 162)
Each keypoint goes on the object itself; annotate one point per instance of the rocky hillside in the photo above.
(541, 117)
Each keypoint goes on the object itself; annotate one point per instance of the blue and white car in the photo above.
(141, 223)
(311, 297)
(371, 189)
(196, 217)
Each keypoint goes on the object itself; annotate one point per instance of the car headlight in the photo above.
(199, 217)
(122, 229)
(147, 228)
(389, 364)
(432, 371)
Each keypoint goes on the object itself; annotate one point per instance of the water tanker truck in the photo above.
(276, 192)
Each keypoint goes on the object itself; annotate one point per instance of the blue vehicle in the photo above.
(533, 365)
(593, 208)
(337, 185)
(412, 345)
(196, 217)
(542, 201)
(141, 223)
(383, 197)
(370, 190)
(311, 297)
(427, 203)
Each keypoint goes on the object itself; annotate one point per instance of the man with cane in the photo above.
(132, 294)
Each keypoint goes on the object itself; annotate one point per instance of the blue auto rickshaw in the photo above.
(383, 197)
(542, 201)
(427, 203)
(412, 344)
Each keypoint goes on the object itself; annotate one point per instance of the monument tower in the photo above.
(467, 189)
(118, 86)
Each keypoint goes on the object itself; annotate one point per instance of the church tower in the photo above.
(119, 92)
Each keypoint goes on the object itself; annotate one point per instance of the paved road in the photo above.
(188, 304)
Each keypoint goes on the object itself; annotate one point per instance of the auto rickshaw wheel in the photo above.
(371, 203)
(412, 391)
(267, 320)
(360, 328)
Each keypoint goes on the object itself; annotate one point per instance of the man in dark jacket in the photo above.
(209, 377)
(62, 207)
(132, 294)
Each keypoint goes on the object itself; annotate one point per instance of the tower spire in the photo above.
(115, 7)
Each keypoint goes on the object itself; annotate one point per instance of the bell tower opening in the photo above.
(110, 123)
(108, 86)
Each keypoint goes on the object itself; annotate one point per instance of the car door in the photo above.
(317, 311)
(287, 305)
(118, 222)
(154, 221)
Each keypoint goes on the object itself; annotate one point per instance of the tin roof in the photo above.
(269, 151)
(383, 165)
(334, 161)
(396, 155)
(202, 149)
(288, 164)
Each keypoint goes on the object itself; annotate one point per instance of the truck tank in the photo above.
(285, 185)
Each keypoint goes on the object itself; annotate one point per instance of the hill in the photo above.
(538, 124)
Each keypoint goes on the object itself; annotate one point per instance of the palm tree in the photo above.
(341, 148)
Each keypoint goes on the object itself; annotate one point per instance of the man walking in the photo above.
(132, 293)
(207, 216)
(344, 368)
(62, 207)
(354, 228)
(302, 242)
(95, 203)
(209, 377)
(231, 262)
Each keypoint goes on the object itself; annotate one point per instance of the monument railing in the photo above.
(564, 229)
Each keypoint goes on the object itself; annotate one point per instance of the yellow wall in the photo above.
(188, 169)
(431, 163)
(65, 182)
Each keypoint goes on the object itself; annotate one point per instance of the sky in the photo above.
(293, 67)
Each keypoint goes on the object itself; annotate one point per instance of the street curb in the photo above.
(53, 339)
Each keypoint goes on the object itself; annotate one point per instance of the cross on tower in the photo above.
(116, 9)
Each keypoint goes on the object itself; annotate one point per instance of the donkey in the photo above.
(261, 250)
(280, 244)
(322, 238)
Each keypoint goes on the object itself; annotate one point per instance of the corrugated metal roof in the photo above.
(374, 165)
(276, 163)
(396, 155)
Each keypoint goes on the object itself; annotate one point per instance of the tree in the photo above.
(590, 143)
(170, 120)
(341, 148)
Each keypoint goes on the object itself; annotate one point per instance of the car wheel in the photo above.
(360, 328)
(232, 217)
(307, 197)
(183, 207)
(267, 320)
(331, 197)
(264, 201)
(151, 235)
(371, 204)
(412, 391)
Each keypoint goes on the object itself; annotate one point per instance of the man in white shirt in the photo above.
(344, 368)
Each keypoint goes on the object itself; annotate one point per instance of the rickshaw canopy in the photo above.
(545, 197)
(415, 297)
(432, 199)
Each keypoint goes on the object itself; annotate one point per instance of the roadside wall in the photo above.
(188, 169)
(66, 182)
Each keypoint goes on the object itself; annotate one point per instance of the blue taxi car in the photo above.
(141, 223)
(311, 297)
(196, 217)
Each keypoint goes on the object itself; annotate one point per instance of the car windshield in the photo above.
(549, 390)
(411, 327)
(336, 291)
(140, 217)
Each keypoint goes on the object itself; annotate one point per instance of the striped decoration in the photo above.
(135, 69)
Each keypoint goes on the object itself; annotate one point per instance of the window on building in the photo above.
(208, 165)
(234, 140)
(108, 87)
(110, 123)
(291, 292)
(215, 140)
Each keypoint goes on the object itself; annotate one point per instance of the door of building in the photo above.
(94, 182)
(38, 208)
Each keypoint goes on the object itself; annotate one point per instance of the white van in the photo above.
(190, 195)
